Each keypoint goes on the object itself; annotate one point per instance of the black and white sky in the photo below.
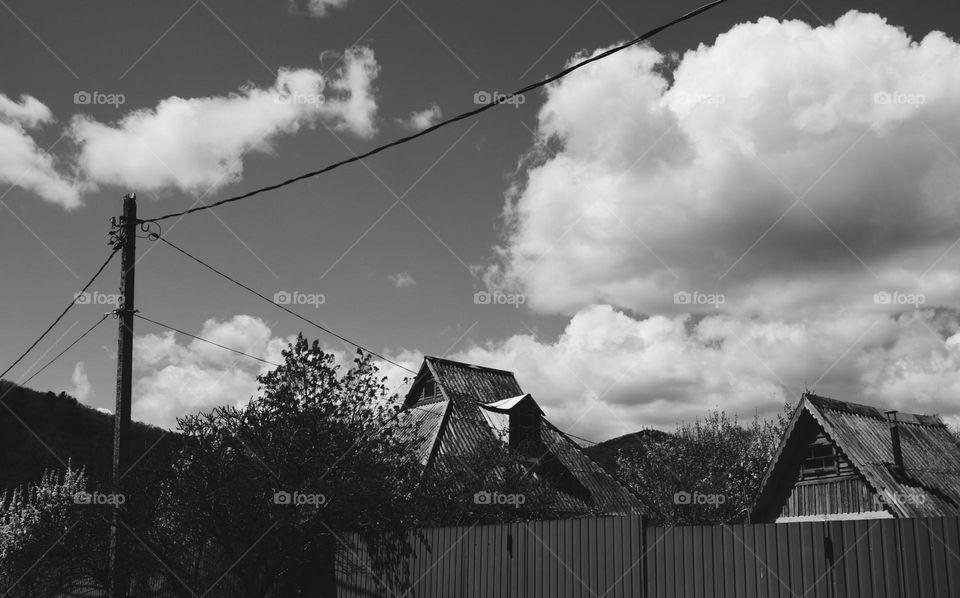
(763, 200)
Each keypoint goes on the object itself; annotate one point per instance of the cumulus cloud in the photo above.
(795, 188)
(174, 379)
(81, 389)
(199, 143)
(641, 187)
(316, 8)
(418, 121)
(22, 162)
(402, 280)
(609, 373)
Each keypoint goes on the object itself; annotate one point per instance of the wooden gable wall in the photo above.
(817, 479)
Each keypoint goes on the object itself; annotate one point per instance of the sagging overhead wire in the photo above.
(496, 101)
(116, 248)
(157, 236)
(208, 341)
(70, 346)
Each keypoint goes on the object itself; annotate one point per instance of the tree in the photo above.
(263, 495)
(705, 473)
(49, 544)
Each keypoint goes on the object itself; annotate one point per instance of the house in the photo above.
(840, 460)
(457, 406)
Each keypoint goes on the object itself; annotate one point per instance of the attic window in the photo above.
(820, 461)
(430, 390)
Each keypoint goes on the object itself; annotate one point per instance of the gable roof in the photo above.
(475, 408)
(930, 485)
(467, 381)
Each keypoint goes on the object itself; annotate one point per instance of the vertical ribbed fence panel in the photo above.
(881, 558)
(571, 558)
(615, 557)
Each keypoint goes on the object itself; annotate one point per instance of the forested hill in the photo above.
(43, 430)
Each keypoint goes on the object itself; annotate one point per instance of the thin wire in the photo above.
(64, 312)
(580, 438)
(496, 101)
(156, 236)
(200, 338)
(80, 338)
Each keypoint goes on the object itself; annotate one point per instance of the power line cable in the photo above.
(200, 338)
(64, 312)
(156, 236)
(70, 346)
(496, 101)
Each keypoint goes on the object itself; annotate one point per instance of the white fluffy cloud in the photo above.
(22, 162)
(402, 280)
(316, 8)
(81, 389)
(609, 373)
(199, 143)
(641, 188)
(420, 120)
(780, 179)
(174, 379)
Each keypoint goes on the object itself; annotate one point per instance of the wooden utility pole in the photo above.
(119, 574)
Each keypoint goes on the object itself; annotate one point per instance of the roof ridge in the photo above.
(466, 365)
(919, 419)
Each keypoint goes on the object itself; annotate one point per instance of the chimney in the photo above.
(525, 432)
(895, 441)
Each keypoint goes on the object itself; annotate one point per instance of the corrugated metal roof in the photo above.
(424, 422)
(930, 484)
(468, 424)
(931, 455)
(473, 382)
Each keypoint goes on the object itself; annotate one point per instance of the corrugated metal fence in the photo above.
(609, 557)
(570, 558)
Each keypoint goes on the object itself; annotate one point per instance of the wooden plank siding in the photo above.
(847, 494)
(613, 557)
